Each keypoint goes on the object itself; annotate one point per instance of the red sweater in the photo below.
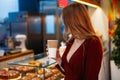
(91, 52)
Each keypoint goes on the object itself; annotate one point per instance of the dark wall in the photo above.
(29, 5)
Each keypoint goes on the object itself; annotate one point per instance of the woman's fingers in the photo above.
(57, 58)
(57, 54)
(54, 58)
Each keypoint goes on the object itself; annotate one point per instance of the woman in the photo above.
(83, 55)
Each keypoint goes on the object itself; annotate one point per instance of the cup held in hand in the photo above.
(52, 48)
(52, 52)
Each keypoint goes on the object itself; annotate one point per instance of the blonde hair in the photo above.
(77, 21)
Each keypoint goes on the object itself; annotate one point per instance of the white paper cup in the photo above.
(52, 43)
(52, 48)
(52, 52)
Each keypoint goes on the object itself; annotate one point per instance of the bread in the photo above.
(31, 76)
(55, 71)
(25, 69)
(36, 78)
(35, 63)
(40, 71)
(10, 74)
(48, 74)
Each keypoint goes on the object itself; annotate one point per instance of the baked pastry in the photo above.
(25, 69)
(3, 74)
(40, 71)
(55, 71)
(31, 76)
(28, 69)
(36, 78)
(35, 63)
(26, 78)
(48, 74)
(54, 77)
(10, 74)
(13, 74)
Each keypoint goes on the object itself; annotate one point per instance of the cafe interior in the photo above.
(26, 26)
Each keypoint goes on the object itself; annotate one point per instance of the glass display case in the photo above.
(39, 66)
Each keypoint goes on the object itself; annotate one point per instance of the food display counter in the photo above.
(15, 57)
(37, 67)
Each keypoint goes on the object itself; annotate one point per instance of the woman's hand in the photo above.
(58, 57)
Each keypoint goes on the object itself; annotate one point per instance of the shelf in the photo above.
(8, 57)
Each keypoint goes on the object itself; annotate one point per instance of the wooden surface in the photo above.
(11, 56)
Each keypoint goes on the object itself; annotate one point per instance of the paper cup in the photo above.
(52, 52)
(52, 48)
(52, 43)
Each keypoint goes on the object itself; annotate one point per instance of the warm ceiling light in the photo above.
(92, 3)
